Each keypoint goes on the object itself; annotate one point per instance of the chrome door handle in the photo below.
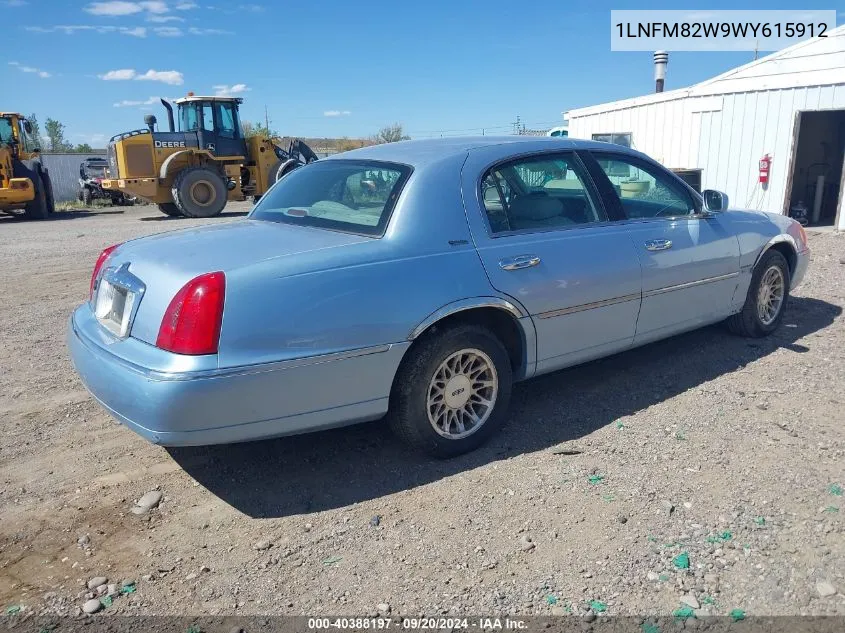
(520, 261)
(658, 245)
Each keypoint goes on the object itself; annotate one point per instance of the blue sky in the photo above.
(331, 67)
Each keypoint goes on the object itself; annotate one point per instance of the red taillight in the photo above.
(191, 324)
(98, 266)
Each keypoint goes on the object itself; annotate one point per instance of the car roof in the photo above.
(421, 152)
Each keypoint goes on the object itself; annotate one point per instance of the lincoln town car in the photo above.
(416, 282)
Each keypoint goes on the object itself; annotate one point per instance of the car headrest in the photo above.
(535, 208)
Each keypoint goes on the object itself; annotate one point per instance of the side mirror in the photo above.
(28, 127)
(715, 200)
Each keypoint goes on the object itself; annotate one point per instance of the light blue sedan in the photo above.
(418, 281)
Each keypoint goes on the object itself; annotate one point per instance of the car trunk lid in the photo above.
(164, 263)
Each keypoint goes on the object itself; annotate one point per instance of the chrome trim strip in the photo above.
(466, 304)
(588, 306)
(689, 284)
(225, 372)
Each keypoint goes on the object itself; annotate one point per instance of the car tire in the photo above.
(199, 192)
(48, 191)
(86, 197)
(168, 208)
(766, 300)
(428, 405)
(37, 208)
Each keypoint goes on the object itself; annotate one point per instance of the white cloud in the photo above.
(126, 103)
(333, 113)
(196, 31)
(138, 31)
(119, 75)
(155, 7)
(171, 77)
(114, 8)
(119, 8)
(31, 69)
(227, 91)
(168, 31)
(161, 19)
(186, 6)
(251, 8)
(14, 3)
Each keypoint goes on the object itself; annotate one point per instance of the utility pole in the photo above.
(266, 119)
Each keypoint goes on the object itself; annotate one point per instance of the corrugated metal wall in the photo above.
(725, 125)
(64, 173)
(724, 135)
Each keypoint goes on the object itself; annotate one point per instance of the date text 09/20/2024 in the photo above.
(447, 624)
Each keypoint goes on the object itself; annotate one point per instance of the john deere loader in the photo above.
(25, 186)
(202, 161)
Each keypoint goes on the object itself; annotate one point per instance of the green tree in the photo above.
(257, 129)
(56, 135)
(36, 128)
(83, 148)
(391, 134)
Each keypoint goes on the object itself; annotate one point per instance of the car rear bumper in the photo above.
(220, 406)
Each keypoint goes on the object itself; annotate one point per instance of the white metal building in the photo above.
(789, 105)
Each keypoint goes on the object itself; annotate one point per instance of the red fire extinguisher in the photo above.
(765, 167)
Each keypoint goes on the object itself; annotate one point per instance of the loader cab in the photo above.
(216, 122)
(17, 132)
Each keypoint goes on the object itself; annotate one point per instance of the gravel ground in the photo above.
(706, 470)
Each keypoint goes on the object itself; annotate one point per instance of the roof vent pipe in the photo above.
(661, 60)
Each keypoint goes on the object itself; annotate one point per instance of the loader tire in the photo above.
(37, 208)
(282, 169)
(168, 208)
(86, 197)
(48, 191)
(199, 192)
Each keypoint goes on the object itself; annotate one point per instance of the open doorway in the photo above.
(817, 167)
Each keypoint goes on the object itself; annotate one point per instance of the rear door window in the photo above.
(539, 193)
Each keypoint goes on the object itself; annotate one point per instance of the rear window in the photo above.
(341, 195)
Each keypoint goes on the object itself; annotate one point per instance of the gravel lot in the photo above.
(706, 450)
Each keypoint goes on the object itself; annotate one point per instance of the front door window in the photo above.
(642, 190)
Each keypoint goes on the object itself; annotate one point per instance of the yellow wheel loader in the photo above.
(25, 185)
(202, 161)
